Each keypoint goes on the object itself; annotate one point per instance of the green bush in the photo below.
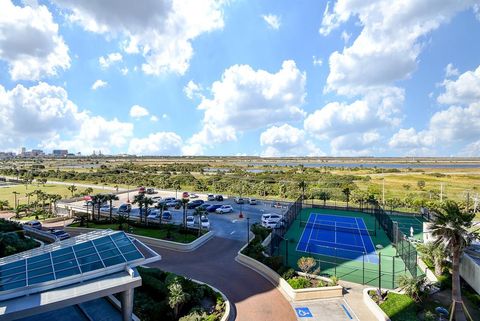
(13, 242)
(273, 262)
(399, 307)
(290, 273)
(260, 232)
(299, 282)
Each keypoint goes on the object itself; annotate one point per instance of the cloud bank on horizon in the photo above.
(218, 77)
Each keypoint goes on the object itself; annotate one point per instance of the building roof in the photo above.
(78, 259)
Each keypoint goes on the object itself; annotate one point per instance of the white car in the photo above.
(190, 221)
(224, 209)
(270, 218)
(154, 215)
(169, 199)
(205, 223)
(210, 197)
(252, 201)
(156, 198)
(193, 195)
(269, 224)
(105, 208)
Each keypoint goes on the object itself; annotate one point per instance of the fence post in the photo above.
(393, 273)
(335, 257)
(380, 272)
(363, 268)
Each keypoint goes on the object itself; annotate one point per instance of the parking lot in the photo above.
(223, 225)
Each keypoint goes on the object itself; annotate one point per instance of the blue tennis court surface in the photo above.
(338, 236)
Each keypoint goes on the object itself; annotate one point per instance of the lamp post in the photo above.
(248, 230)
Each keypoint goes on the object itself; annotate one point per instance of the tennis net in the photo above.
(332, 227)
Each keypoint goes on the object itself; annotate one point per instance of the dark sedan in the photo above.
(213, 208)
(195, 203)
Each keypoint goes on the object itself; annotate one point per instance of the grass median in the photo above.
(167, 232)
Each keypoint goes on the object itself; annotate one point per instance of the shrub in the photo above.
(273, 262)
(299, 282)
(399, 307)
(334, 279)
(290, 273)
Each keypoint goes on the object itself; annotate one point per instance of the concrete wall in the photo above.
(283, 286)
(470, 271)
(169, 245)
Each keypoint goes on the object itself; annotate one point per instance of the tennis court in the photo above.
(337, 236)
(351, 245)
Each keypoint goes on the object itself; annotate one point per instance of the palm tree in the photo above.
(147, 201)
(138, 199)
(302, 185)
(88, 191)
(100, 199)
(450, 227)
(184, 205)
(324, 196)
(72, 189)
(176, 296)
(413, 286)
(54, 198)
(110, 198)
(346, 191)
(3, 204)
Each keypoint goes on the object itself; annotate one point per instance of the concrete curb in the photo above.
(373, 307)
(169, 245)
(282, 285)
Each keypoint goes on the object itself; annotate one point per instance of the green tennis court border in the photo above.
(386, 274)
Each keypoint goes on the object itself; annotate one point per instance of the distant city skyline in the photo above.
(302, 78)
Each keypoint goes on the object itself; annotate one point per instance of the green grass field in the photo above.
(359, 270)
(6, 193)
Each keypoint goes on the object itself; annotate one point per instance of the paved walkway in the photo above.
(255, 298)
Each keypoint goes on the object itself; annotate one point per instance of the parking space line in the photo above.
(232, 232)
(354, 315)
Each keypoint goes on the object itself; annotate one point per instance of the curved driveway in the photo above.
(254, 298)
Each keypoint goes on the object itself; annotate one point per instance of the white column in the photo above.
(126, 298)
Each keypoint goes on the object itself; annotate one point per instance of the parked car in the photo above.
(34, 224)
(153, 214)
(213, 208)
(205, 223)
(150, 191)
(270, 224)
(185, 195)
(173, 203)
(193, 195)
(169, 199)
(167, 216)
(252, 201)
(204, 206)
(190, 221)
(239, 200)
(270, 218)
(105, 208)
(195, 203)
(60, 235)
(219, 198)
(124, 208)
(210, 197)
(224, 209)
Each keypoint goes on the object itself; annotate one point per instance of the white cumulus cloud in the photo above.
(30, 42)
(246, 99)
(286, 140)
(43, 113)
(110, 59)
(137, 111)
(99, 84)
(463, 90)
(161, 31)
(272, 21)
(160, 143)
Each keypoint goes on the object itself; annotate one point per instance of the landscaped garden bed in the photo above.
(306, 279)
(167, 232)
(169, 297)
(13, 239)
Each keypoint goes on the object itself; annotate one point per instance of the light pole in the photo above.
(248, 230)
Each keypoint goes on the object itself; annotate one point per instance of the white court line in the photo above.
(364, 248)
(301, 237)
(232, 232)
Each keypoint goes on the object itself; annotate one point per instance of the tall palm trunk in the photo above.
(459, 314)
(110, 210)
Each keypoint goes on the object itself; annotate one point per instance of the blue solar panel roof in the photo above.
(79, 257)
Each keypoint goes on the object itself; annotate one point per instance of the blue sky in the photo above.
(268, 78)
